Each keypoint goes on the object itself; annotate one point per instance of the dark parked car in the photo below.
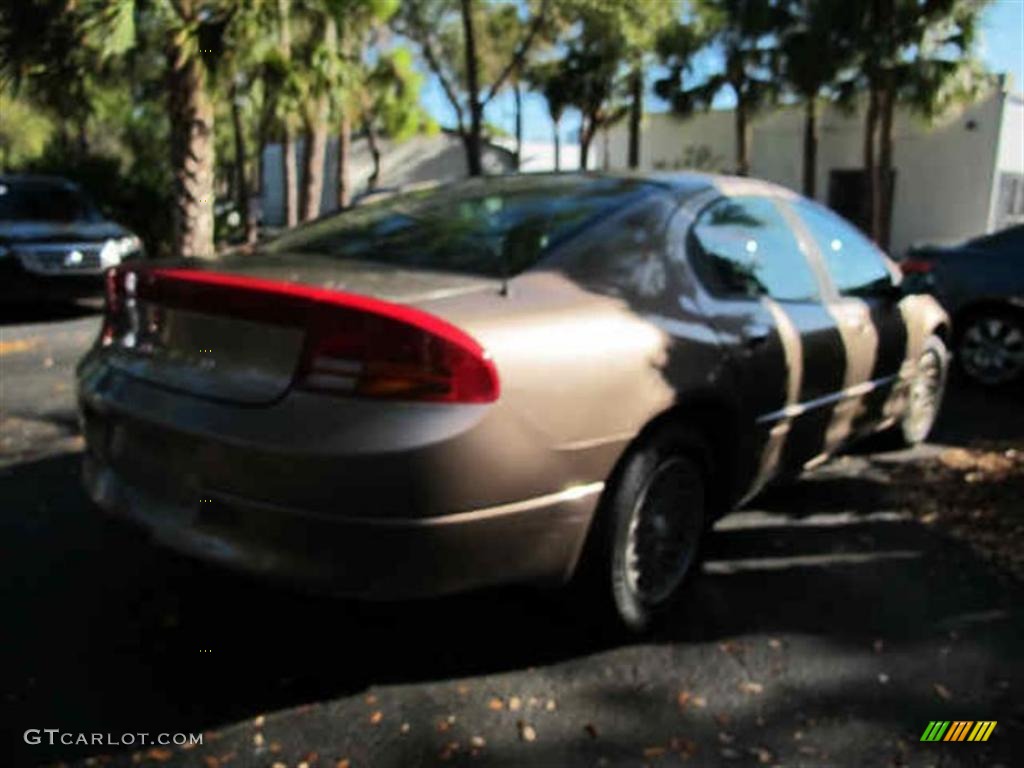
(981, 285)
(499, 380)
(54, 243)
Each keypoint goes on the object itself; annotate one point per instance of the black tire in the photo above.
(990, 346)
(658, 502)
(926, 392)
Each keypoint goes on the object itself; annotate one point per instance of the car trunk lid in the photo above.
(241, 330)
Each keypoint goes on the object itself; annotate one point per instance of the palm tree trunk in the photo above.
(636, 107)
(241, 180)
(344, 157)
(518, 93)
(291, 182)
(371, 139)
(474, 138)
(742, 139)
(586, 136)
(192, 154)
(871, 183)
(313, 161)
(810, 147)
(558, 145)
(885, 173)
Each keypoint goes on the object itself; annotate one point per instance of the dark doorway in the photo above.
(847, 195)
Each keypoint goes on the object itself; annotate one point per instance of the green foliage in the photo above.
(25, 132)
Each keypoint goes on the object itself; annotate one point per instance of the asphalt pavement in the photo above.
(828, 627)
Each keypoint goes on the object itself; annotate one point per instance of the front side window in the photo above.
(856, 266)
(746, 249)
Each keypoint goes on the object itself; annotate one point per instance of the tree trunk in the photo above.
(810, 148)
(586, 136)
(291, 181)
(742, 140)
(558, 145)
(344, 157)
(871, 183)
(473, 140)
(519, 124)
(371, 140)
(636, 108)
(313, 161)
(885, 175)
(192, 154)
(241, 180)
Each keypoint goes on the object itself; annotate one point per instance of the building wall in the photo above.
(945, 170)
(1008, 191)
(440, 158)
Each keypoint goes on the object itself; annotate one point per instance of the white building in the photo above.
(957, 177)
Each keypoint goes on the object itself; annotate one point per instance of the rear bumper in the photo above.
(534, 541)
(19, 285)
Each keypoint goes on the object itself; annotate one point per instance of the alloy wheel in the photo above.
(992, 349)
(664, 530)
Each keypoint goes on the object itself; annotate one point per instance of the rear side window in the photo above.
(855, 265)
(485, 227)
(746, 249)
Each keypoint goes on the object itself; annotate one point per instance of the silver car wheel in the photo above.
(992, 349)
(926, 390)
(664, 531)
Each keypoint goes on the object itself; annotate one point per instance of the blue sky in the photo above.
(1001, 48)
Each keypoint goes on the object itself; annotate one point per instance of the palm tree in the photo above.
(918, 54)
(192, 33)
(817, 48)
(744, 31)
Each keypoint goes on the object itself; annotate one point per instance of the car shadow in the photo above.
(48, 311)
(111, 631)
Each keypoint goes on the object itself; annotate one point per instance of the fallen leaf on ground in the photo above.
(376, 717)
(683, 699)
(527, 732)
(763, 755)
(257, 740)
(652, 752)
(775, 644)
(590, 730)
(943, 692)
(370, 699)
(550, 706)
(404, 728)
(275, 747)
(495, 704)
(478, 741)
(751, 687)
(259, 720)
(515, 703)
(342, 762)
(160, 755)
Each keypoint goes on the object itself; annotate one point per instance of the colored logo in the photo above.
(958, 730)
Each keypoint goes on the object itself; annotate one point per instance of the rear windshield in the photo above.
(43, 201)
(487, 227)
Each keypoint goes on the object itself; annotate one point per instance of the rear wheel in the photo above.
(926, 391)
(656, 515)
(990, 346)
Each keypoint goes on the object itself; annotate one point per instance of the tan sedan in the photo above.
(499, 380)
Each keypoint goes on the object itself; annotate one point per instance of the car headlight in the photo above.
(114, 252)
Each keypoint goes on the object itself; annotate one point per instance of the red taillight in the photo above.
(353, 351)
(114, 297)
(354, 345)
(916, 266)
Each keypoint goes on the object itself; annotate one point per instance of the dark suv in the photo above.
(981, 285)
(54, 242)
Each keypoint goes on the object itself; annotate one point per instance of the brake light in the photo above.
(114, 298)
(354, 345)
(916, 266)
